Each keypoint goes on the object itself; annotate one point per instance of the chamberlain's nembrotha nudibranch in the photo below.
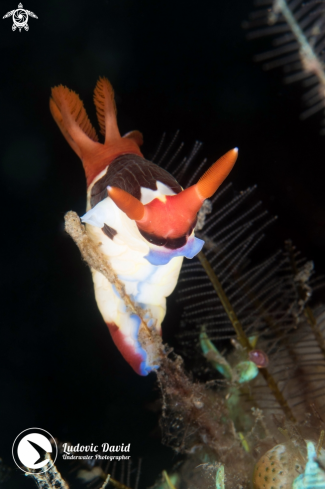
(137, 213)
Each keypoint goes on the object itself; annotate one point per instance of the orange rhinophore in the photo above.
(131, 206)
(216, 174)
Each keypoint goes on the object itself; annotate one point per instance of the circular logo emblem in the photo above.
(20, 17)
(34, 450)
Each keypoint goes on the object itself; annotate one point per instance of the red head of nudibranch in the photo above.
(171, 216)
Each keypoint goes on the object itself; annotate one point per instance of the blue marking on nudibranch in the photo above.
(115, 291)
(158, 257)
(144, 368)
(134, 299)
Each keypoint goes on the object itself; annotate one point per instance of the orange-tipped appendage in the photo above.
(132, 207)
(216, 174)
(174, 215)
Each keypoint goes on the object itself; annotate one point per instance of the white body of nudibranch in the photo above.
(147, 284)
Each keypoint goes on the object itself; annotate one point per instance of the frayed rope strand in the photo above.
(97, 261)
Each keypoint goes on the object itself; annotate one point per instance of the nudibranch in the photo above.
(137, 213)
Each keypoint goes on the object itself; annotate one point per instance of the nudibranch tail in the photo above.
(131, 349)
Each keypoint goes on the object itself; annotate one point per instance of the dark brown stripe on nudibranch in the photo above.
(131, 172)
(110, 232)
(170, 243)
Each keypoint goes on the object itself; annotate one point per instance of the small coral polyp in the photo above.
(259, 357)
(138, 216)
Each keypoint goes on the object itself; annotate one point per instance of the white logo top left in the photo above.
(20, 17)
(34, 450)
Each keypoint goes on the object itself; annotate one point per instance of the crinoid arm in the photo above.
(299, 42)
(260, 306)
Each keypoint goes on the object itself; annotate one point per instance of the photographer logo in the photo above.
(20, 18)
(34, 450)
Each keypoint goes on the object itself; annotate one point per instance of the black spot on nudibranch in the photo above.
(130, 173)
(110, 232)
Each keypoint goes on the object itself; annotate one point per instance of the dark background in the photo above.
(174, 65)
